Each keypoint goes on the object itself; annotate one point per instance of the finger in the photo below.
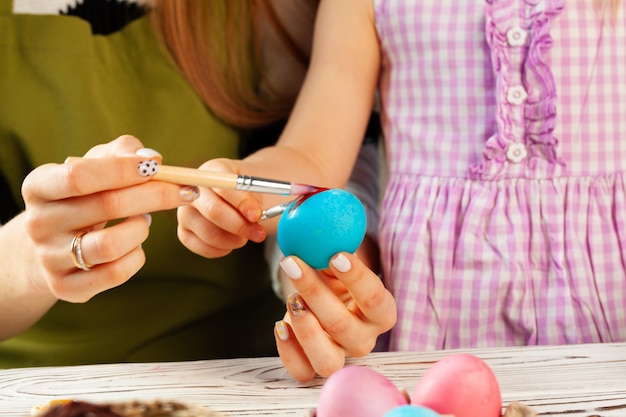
(83, 177)
(194, 231)
(372, 299)
(345, 326)
(232, 219)
(80, 286)
(97, 246)
(218, 224)
(291, 353)
(125, 145)
(249, 205)
(81, 213)
(204, 237)
(323, 296)
(323, 354)
(114, 242)
(145, 198)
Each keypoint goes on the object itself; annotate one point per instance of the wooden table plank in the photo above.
(567, 381)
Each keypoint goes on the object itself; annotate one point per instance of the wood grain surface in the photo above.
(566, 381)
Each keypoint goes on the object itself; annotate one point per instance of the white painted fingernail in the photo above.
(148, 218)
(147, 153)
(341, 262)
(291, 268)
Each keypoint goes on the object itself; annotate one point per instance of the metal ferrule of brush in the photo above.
(275, 211)
(261, 185)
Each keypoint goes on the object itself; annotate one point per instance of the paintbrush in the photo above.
(198, 177)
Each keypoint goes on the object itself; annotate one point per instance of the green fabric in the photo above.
(64, 90)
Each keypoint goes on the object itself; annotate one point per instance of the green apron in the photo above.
(64, 90)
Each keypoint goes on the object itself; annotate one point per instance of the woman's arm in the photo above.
(63, 200)
(23, 298)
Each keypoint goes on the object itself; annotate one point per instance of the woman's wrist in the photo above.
(24, 294)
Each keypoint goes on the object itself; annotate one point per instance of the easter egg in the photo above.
(358, 391)
(315, 227)
(462, 385)
(411, 411)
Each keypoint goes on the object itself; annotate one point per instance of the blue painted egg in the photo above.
(411, 411)
(318, 226)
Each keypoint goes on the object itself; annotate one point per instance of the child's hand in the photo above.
(221, 220)
(335, 313)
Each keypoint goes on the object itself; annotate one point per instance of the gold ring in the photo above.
(77, 252)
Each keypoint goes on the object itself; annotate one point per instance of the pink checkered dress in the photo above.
(504, 220)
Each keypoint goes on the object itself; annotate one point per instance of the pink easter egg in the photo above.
(358, 391)
(462, 385)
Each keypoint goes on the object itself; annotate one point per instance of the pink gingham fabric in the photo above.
(504, 218)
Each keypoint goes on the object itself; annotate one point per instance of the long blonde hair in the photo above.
(613, 5)
(216, 45)
(607, 9)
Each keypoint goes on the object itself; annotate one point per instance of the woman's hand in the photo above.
(39, 250)
(334, 314)
(111, 182)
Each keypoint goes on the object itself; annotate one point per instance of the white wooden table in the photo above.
(567, 381)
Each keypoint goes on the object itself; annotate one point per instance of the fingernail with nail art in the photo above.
(296, 306)
(189, 194)
(148, 168)
(281, 330)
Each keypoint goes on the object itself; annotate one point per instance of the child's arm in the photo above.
(320, 142)
(346, 311)
(324, 133)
